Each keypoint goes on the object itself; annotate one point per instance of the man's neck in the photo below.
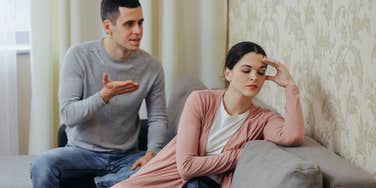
(114, 50)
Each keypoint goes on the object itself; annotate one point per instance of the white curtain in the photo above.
(8, 79)
(55, 26)
(188, 37)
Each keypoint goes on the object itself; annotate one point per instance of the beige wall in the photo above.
(330, 48)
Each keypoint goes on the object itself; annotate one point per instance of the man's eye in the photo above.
(261, 73)
(246, 71)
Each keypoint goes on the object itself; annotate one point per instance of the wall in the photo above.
(330, 48)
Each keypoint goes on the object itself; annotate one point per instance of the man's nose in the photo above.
(137, 29)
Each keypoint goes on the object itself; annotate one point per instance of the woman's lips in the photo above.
(252, 86)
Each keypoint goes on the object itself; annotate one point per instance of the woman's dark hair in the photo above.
(110, 8)
(238, 51)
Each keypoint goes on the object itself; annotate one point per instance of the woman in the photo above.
(215, 125)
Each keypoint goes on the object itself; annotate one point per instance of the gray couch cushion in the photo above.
(15, 171)
(263, 164)
(337, 172)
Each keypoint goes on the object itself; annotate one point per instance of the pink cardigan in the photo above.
(184, 157)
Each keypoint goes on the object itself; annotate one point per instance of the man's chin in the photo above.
(134, 48)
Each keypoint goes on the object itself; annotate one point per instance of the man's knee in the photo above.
(44, 165)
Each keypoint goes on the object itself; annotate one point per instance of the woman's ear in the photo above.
(107, 26)
(228, 74)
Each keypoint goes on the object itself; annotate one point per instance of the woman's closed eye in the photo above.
(261, 73)
(246, 71)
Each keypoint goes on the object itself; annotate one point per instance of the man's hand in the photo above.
(114, 88)
(143, 160)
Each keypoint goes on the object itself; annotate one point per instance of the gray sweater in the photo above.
(112, 127)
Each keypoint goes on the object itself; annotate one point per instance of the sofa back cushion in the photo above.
(263, 164)
(180, 91)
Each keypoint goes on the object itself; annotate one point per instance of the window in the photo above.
(23, 26)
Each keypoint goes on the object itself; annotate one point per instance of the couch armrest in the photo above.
(62, 136)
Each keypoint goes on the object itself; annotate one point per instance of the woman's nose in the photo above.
(253, 75)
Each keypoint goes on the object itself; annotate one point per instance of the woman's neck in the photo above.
(235, 103)
(113, 49)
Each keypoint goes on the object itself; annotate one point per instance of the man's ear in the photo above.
(228, 74)
(107, 26)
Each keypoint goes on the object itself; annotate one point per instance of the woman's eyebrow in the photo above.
(249, 66)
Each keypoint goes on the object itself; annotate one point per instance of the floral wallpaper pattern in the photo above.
(330, 49)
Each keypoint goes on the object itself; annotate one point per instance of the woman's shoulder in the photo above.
(207, 93)
(205, 96)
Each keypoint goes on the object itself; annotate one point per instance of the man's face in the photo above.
(127, 31)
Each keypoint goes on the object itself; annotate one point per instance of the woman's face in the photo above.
(248, 75)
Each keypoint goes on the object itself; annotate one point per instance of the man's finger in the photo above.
(127, 90)
(136, 164)
(105, 79)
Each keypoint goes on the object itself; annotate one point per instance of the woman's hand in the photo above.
(283, 76)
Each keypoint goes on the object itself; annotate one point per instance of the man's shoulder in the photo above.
(85, 46)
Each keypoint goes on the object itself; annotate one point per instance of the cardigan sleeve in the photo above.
(289, 131)
(189, 163)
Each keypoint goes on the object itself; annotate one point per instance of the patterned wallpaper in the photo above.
(330, 48)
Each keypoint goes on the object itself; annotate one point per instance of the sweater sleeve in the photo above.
(157, 114)
(73, 108)
(189, 163)
(289, 131)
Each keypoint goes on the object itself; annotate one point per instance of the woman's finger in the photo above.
(271, 62)
(272, 78)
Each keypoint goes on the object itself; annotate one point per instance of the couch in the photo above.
(262, 164)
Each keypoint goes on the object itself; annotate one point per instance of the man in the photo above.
(101, 114)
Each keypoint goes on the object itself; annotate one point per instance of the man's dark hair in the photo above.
(110, 8)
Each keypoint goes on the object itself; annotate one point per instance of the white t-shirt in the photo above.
(223, 127)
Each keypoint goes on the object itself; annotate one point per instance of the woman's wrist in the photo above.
(290, 83)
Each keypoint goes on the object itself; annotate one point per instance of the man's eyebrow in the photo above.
(132, 21)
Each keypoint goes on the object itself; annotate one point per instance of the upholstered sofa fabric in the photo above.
(263, 164)
(181, 90)
(337, 172)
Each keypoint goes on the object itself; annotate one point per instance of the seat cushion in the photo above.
(15, 171)
(263, 164)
